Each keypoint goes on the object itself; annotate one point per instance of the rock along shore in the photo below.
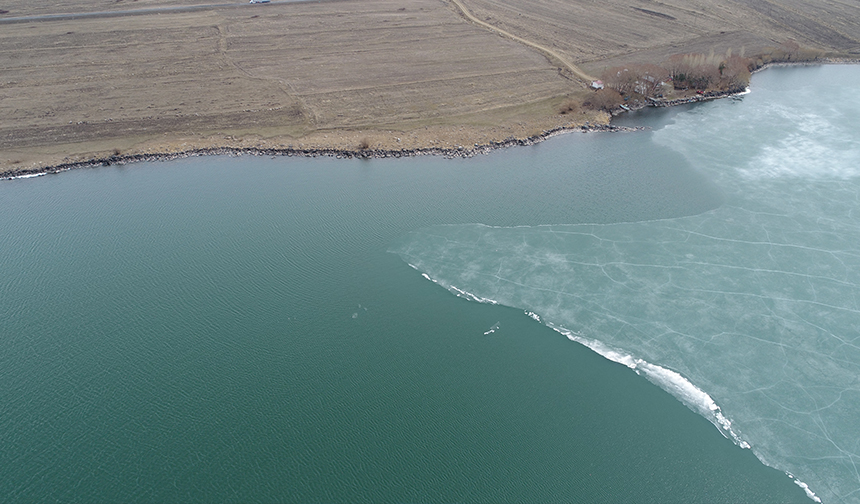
(457, 152)
(706, 96)
(713, 95)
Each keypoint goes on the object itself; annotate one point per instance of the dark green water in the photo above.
(234, 330)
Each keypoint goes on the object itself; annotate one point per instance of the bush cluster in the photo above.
(692, 71)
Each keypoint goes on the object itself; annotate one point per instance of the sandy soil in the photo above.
(392, 74)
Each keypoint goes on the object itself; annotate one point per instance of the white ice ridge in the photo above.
(465, 294)
(425, 275)
(690, 395)
(458, 292)
(805, 487)
(29, 175)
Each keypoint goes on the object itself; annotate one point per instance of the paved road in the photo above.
(138, 12)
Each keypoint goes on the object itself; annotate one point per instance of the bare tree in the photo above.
(696, 71)
(791, 49)
(735, 72)
(604, 99)
(643, 79)
(650, 79)
(620, 79)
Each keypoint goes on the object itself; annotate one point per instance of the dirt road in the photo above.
(546, 50)
(392, 74)
(68, 16)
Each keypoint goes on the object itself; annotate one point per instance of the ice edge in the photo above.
(673, 382)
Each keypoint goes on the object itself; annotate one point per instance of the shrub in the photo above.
(604, 99)
(568, 107)
(644, 79)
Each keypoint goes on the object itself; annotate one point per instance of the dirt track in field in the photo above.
(595, 34)
(546, 50)
(339, 73)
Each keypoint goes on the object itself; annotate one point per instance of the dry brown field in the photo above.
(341, 73)
(605, 33)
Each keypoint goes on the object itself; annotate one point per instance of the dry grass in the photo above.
(334, 72)
(606, 33)
(18, 8)
(268, 71)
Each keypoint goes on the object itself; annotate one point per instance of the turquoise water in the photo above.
(237, 330)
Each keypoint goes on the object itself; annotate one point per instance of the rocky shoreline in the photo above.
(370, 153)
(458, 152)
(713, 95)
(706, 96)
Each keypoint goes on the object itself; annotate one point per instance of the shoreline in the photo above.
(715, 95)
(459, 151)
(369, 153)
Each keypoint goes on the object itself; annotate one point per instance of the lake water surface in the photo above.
(238, 329)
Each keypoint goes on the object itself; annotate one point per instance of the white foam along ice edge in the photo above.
(29, 175)
(805, 487)
(470, 296)
(671, 381)
(459, 292)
